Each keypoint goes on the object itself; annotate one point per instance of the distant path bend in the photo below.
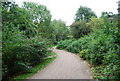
(65, 66)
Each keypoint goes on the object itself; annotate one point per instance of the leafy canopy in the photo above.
(84, 13)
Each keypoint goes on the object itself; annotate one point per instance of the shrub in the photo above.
(74, 47)
(19, 53)
(64, 44)
(83, 54)
(100, 48)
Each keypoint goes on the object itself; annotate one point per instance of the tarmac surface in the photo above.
(66, 66)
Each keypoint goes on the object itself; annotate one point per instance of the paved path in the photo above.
(65, 66)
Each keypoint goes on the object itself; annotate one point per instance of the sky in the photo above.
(66, 9)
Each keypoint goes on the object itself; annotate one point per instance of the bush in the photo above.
(79, 29)
(100, 48)
(19, 53)
(64, 44)
(73, 47)
(83, 54)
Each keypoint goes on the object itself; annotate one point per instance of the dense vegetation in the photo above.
(28, 32)
(100, 47)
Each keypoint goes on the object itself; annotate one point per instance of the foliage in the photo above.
(40, 16)
(84, 13)
(64, 44)
(60, 30)
(39, 13)
(100, 48)
(20, 53)
(18, 16)
(79, 29)
(28, 31)
(36, 68)
(95, 22)
(83, 54)
(73, 47)
(23, 45)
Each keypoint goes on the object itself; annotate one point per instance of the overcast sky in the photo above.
(66, 9)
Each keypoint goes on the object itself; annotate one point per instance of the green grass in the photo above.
(37, 68)
(51, 54)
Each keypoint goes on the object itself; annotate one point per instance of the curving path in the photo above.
(65, 66)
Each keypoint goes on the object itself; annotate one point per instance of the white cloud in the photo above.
(66, 9)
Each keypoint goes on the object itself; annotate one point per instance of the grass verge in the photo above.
(37, 68)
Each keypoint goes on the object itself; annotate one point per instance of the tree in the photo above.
(79, 28)
(19, 53)
(60, 30)
(12, 13)
(39, 14)
(84, 13)
(95, 22)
